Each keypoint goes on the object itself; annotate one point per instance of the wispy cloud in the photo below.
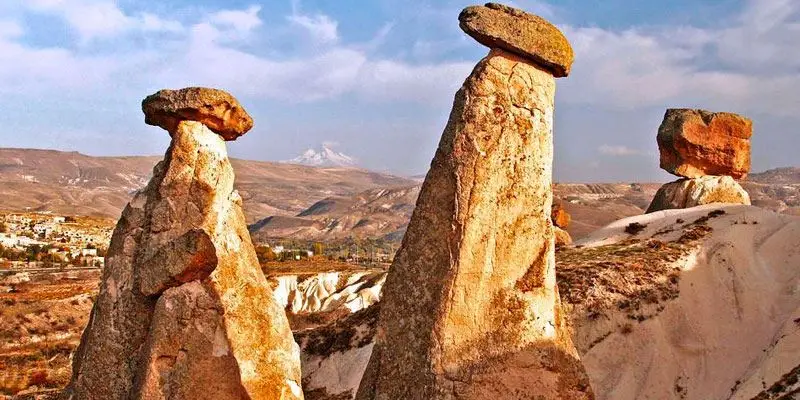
(620, 151)
(729, 68)
(239, 20)
(100, 19)
(321, 27)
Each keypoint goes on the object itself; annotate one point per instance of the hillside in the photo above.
(373, 213)
(77, 184)
(316, 203)
(776, 189)
(702, 299)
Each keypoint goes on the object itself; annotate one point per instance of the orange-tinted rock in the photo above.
(694, 143)
(214, 108)
(562, 237)
(470, 307)
(184, 311)
(514, 30)
(561, 217)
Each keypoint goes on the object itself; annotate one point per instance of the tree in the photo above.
(318, 249)
(265, 254)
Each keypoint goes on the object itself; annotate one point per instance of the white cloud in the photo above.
(388, 80)
(239, 20)
(10, 29)
(631, 69)
(619, 151)
(748, 65)
(322, 28)
(154, 23)
(98, 19)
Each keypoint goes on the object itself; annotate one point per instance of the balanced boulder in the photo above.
(562, 237)
(530, 36)
(216, 109)
(695, 143)
(184, 311)
(686, 193)
(470, 307)
(559, 214)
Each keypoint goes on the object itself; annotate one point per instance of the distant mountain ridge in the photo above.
(78, 184)
(325, 157)
(318, 203)
(790, 175)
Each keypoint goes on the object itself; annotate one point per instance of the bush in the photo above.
(38, 378)
(634, 228)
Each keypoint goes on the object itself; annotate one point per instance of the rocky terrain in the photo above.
(383, 212)
(41, 320)
(75, 184)
(694, 296)
(182, 298)
(777, 189)
(303, 202)
(658, 285)
(708, 151)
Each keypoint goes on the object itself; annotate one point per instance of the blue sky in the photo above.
(377, 78)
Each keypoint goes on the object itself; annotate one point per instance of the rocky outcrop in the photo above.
(184, 311)
(562, 237)
(685, 193)
(559, 215)
(470, 307)
(527, 35)
(719, 321)
(216, 109)
(695, 143)
(328, 291)
(561, 220)
(707, 150)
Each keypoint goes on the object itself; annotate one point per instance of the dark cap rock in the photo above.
(214, 108)
(516, 31)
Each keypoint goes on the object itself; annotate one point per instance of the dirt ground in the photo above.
(40, 325)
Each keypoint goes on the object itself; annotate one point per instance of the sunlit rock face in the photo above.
(184, 311)
(695, 143)
(470, 307)
(686, 193)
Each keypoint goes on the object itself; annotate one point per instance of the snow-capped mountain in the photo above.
(325, 157)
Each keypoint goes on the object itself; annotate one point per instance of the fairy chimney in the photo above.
(184, 311)
(471, 308)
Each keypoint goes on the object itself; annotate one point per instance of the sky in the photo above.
(375, 79)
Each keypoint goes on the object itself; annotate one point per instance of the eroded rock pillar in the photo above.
(184, 311)
(471, 307)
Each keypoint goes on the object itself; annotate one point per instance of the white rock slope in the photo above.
(733, 330)
(719, 319)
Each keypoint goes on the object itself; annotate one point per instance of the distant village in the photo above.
(44, 240)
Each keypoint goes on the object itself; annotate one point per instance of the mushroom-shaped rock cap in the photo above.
(516, 31)
(214, 108)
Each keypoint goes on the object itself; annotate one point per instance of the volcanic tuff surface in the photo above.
(686, 193)
(470, 308)
(680, 295)
(694, 143)
(184, 311)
